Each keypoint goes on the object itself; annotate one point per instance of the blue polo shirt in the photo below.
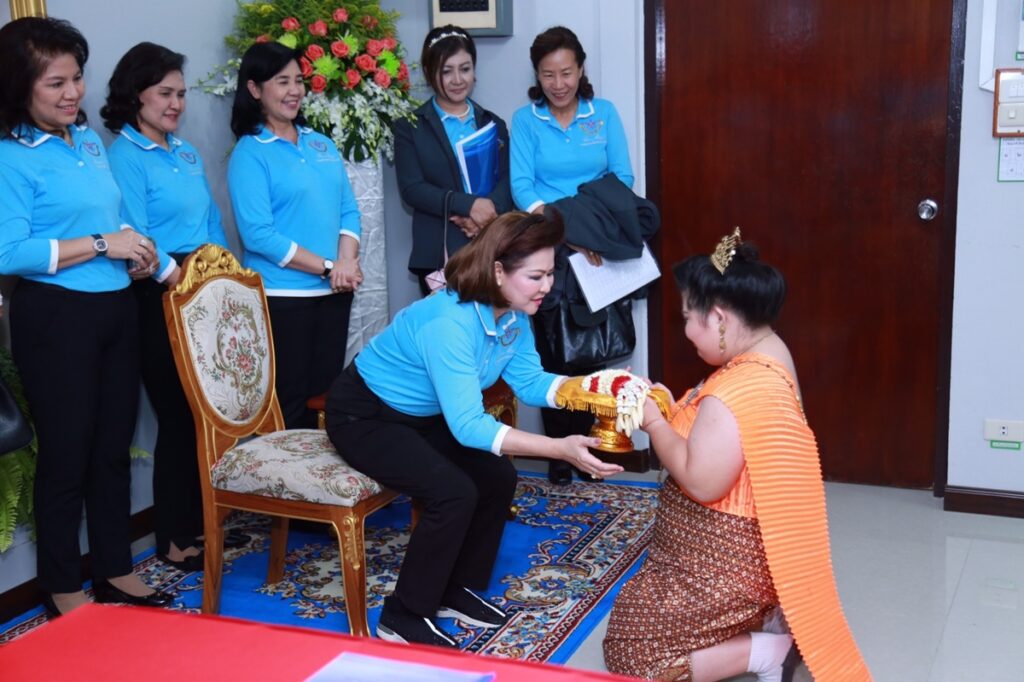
(454, 127)
(549, 163)
(165, 195)
(285, 195)
(438, 354)
(51, 191)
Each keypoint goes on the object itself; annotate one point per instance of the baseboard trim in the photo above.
(983, 501)
(25, 596)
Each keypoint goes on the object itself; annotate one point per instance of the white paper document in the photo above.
(604, 284)
(353, 667)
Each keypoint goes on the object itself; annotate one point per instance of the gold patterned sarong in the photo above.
(783, 476)
(705, 580)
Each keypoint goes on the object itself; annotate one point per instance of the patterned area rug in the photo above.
(561, 563)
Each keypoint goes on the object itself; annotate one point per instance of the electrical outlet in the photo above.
(1004, 429)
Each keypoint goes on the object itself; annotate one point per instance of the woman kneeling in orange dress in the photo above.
(741, 525)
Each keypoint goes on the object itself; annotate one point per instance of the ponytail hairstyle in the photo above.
(551, 40)
(438, 47)
(509, 239)
(260, 63)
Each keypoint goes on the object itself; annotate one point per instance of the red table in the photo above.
(138, 645)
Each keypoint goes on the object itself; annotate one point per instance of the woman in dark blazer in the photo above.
(429, 178)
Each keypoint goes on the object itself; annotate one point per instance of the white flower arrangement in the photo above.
(630, 393)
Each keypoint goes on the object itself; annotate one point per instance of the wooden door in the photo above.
(818, 126)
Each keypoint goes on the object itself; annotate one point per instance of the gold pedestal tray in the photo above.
(572, 396)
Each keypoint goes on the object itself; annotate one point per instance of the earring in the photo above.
(721, 337)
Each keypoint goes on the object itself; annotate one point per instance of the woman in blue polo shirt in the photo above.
(408, 413)
(445, 215)
(563, 138)
(165, 196)
(299, 224)
(73, 320)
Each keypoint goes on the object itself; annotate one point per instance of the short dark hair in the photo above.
(551, 40)
(27, 46)
(260, 63)
(141, 67)
(750, 288)
(509, 239)
(438, 50)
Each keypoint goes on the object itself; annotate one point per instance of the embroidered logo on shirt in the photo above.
(189, 157)
(92, 148)
(591, 128)
(509, 337)
(318, 145)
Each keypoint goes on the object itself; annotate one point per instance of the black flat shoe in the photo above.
(559, 473)
(105, 593)
(234, 539)
(51, 609)
(189, 564)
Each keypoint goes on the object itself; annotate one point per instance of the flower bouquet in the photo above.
(357, 80)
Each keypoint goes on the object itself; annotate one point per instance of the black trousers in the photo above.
(177, 497)
(465, 492)
(562, 423)
(78, 356)
(309, 348)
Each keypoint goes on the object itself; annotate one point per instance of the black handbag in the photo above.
(15, 432)
(571, 339)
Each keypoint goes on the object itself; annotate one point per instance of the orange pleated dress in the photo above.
(714, 571)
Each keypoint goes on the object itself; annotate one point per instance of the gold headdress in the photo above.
(725, 250)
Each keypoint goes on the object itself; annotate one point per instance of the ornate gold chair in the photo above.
(219, 328)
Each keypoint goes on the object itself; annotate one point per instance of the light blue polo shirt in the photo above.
(51, 191)
(286, 195)
(165, 195)
(438, 354)
(454, 127)
(548, 163)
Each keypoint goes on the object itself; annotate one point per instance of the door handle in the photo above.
(927, 209)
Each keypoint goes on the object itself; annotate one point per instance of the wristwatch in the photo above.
(99, 245)
(328, 266)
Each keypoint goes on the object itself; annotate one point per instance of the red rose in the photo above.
(369, 22)
(263, 38)
(318, 28)
(339, 48)
(340, 15)
(307, 68)
(403, 72)
(374, 47)
(366, 62)
(353, 78)
(314, 52)
(390, 43)
(291, 24)
(381, 78)
(318, 83)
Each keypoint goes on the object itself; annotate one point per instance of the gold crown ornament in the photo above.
(725, 250)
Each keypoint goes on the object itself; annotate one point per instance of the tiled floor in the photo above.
(931, 596)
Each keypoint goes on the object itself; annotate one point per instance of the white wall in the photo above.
(987, 374)
(610, 32)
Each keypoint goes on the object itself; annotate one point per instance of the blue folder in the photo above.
(478, 157)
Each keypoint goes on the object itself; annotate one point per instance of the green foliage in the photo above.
(18, 468)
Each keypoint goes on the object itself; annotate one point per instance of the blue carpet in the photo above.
(561, 563)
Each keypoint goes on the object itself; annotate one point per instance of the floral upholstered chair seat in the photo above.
(299, 464)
